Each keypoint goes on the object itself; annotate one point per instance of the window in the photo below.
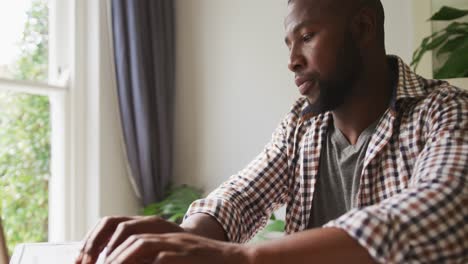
(29, 95)
(78, 87)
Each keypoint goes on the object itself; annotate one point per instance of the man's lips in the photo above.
(304, 84)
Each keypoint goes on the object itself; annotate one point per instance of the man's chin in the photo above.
(312, 100)
(315, 106)
(318, 106)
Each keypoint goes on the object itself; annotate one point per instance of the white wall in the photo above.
(399, 37)
(233, 85)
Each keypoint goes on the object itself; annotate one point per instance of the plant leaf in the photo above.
(457, 28)
(275, 226)
(448, 13)
(273, 217)
(456, 65)
(176, 218)
(452, 45)
(175, 204)
(436, 42)
(428, 43)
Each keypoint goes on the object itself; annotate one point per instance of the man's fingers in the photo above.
(120, 248)
(122, 232)
(128, 228)
(145, 225)
(79, 259)
(141, 249)
(171, 257)
(113, 231)
(99, 237)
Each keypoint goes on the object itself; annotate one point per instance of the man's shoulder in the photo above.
(413, 89)
(443, 92)
(441, 101)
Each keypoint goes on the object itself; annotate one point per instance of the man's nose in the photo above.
(296, 60)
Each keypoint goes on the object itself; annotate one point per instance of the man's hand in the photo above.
(112, 231)
(180, 248)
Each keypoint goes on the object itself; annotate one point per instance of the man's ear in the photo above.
(365, 27)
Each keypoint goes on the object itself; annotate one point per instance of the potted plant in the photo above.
(449, 44)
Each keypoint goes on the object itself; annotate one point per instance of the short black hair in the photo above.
(377, 6)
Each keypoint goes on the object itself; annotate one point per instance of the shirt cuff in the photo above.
(225, 213)
(371, 231)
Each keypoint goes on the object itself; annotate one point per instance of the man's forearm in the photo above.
(324, 245)
(204, 225)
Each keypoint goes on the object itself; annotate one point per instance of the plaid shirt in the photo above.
(412, 204)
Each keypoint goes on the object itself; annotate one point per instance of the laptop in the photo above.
(41, 253)
(48, 253)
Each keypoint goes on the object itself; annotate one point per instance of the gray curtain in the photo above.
(144, 52)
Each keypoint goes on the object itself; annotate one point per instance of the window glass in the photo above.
(24, 122)
(24, 45)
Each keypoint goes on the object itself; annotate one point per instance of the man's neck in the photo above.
(369, 101)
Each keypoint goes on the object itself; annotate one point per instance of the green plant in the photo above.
(452, 41)
(176, 203)
(274, 228)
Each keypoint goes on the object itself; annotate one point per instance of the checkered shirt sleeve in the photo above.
(244, 203)
(428, 221)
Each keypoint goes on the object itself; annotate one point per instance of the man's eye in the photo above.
(307, 37)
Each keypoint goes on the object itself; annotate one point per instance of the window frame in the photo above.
(67, 208)
(56, 89)
(67, 96)
(89, 168)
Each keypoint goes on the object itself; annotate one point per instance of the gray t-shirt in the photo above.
(339, 174)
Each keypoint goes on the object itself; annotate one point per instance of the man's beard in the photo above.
(338, 88)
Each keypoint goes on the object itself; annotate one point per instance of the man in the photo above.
(372, 164)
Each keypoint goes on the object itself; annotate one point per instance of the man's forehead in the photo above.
(311, 10)
(317, 9)
(326, 3)
(332, 6)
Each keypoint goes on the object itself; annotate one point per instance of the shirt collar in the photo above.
(408, 85)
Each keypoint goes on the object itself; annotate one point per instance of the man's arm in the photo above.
(204, 225)
(233, 212)
(326, 245)
(243, 204)
(321, 245)
(425, 222)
